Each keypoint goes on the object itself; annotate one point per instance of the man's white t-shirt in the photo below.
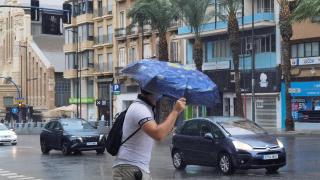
(137, 150)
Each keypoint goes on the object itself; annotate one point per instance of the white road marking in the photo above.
(15, 176)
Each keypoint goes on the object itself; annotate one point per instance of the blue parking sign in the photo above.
(116, 89)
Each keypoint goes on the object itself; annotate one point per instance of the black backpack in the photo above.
(115, 135)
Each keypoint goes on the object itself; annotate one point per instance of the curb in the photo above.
(299, 132)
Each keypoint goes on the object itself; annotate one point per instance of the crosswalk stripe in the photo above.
(17, 176)
(1, 172)
(9, 174)
(26, 178)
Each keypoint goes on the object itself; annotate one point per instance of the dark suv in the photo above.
(71, 135)
(229, 143)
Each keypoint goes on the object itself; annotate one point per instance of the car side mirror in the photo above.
(208, 136)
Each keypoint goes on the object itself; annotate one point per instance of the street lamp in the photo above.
(253, 66)
(78, 77)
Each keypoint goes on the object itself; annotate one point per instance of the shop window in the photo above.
(315, 49)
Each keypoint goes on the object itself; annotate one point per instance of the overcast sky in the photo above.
(43, 3)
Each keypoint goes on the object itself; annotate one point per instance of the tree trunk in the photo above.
(163, 47)
(286, 34)
(234, 39)
(198, 54)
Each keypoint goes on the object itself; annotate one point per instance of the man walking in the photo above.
(134, 155)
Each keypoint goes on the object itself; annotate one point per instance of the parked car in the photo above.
(71, 135)
(7, 135)
(229, 143)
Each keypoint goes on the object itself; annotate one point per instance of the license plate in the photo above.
(92, 143)
(270, 156)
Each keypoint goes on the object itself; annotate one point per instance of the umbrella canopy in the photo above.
(174, 80)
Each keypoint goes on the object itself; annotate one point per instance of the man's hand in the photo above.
(180, 105)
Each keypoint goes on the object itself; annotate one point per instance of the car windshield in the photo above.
(241, 127)
(76, 125)
(3, 127)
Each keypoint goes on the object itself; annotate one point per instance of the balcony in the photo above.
(174, 25)
(133, 32)
(263, 19)
(87, 71)
(86, 44)
(70, 73)
(147, 30)
(103, 40)
(104, 12)
(120, 0)
(70, 47)
(103, 68)
(84, 18)
(120, 33)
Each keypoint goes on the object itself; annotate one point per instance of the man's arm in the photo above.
(159, 132)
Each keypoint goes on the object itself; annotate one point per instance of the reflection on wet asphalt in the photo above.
(26, 161)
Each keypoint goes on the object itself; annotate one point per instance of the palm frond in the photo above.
(306, 9)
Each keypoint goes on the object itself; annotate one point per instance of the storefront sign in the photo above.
(311, 88)
(216, 65)
(305, 61)
(83, 100)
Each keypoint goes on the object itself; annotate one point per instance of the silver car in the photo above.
(7, 136)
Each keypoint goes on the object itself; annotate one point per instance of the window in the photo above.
(221, 48)
(109, 6)
(110, 62)
(7, 101)
(100, 35)
(147, 51)
(68, 36)
(122, 57)
(301, 50)
(110, 33)
(101, 63)
(308, 49)
(85, 32)
(174, 51)
(294, 52)
(265, 6)
(216, 132)
(86, 59)
(132, 54)
(90, 88)
(191, 128)
(103, 91)
(122, 20)
(100, 8)
(205, 127)
(70, 61)
(315, 49)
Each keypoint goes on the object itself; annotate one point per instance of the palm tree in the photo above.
(195, 14)
(286, 33)
(231, 7)
(306, 9)
(159, 13)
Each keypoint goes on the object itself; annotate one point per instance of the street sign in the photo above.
(19, 99)
(116, 89)
(14, 110)
(100, 103)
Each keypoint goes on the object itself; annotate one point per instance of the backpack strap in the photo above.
(130, 135)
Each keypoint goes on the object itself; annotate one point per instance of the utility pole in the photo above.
(253, 67)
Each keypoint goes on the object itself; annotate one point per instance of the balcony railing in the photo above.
(104, 67)
(120, 32)
(132, 31)
(103, 39)
(99, 12)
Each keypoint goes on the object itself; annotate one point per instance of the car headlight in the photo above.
(76, 137)
(280, 143)
(101, 137)
(242, 146)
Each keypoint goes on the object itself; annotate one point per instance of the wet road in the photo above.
(25, 161)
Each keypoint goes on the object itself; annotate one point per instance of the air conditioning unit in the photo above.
(249, 47)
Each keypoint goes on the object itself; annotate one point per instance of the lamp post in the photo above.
(253, 66)
(78, 70)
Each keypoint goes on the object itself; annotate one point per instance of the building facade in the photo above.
(131, 46)
(31, 54)
(89, 56)
(305, 60)
(218, 63)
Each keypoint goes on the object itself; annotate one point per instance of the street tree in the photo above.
(195, 14)
(306, 9)
(159, 14)
(230, 8)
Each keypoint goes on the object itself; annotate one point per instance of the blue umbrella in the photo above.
(174, 80)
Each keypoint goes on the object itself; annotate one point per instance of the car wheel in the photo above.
(44, 147)
(272, 170)
(65, 149)
(100, 151)
(225, 164)
(178, 161)
(13, 144)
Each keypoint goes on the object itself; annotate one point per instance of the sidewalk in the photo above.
(296, 132)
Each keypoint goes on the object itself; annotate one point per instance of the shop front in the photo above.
(305, 101)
